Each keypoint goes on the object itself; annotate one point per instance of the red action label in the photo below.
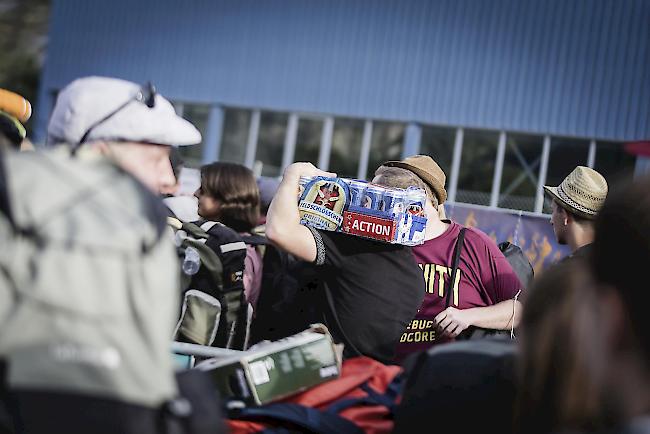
(368, 226)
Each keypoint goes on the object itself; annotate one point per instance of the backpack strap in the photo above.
(255, 240)
(454, 268)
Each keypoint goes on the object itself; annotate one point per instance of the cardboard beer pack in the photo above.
(274, 370)
(360, 208)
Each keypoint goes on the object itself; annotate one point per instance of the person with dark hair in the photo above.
(229, 194)
(620, 255)
(576, 202)
(561, 363)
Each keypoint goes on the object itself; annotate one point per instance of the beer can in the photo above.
(357, 190)
(372, 197)
(393, 201)
(415, 200)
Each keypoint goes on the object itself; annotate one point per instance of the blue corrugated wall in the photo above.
(562, 67)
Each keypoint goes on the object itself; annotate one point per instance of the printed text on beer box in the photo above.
(368, 226)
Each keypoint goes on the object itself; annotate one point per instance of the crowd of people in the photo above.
(92, 286)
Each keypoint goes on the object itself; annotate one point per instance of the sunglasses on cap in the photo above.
(146, 95)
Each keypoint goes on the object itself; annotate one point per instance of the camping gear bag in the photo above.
(214, 310)
(362, 400)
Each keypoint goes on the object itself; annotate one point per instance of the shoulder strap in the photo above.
(454, 267)
(255, 239)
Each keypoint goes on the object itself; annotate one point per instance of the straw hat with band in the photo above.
(427, 170)
(582, 192)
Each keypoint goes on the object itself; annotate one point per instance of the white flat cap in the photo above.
(86, 101)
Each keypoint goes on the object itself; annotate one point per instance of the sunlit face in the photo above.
(208, 206)
(148, 163)
(559, 222)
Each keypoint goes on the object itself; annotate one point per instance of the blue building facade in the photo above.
(506, 94)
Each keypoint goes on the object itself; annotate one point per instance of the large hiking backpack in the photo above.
(214, 310)
(288, 298)
(87, 288)
(362, 400)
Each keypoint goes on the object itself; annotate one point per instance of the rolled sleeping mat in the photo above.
(15, 105)
(14, 111)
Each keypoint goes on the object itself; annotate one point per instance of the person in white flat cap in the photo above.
(122, 120)
(576, 202)
(88, 274)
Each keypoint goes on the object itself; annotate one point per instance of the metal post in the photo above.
(212, 139)
(251, 144)
(455, 166)
(365, 150)
(412, 139)
(591, 157)
(498, 170)
(326, 143)
(541, 180)
(290, 141)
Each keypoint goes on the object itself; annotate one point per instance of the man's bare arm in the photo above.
(500, 316)
(283, 226)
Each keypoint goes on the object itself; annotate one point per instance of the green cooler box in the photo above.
(273, 370)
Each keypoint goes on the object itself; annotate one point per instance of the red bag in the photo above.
(361, 400)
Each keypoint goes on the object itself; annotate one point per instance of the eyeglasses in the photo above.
(146, 95)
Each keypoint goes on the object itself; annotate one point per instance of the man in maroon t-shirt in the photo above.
(486, 288)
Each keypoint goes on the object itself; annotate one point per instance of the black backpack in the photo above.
(519, 262)
(521, 266)
(288, 297)
(214, 309)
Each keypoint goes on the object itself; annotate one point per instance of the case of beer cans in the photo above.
(355, 207)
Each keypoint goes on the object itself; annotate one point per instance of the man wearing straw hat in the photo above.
(483, 298)
(576, 202)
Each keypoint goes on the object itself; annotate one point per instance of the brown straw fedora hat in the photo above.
(582, 192)
(428, 170)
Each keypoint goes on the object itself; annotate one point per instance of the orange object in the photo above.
(15, 105)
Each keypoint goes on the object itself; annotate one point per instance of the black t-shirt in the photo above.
(376, 288)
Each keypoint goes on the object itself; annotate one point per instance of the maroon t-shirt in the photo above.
(485, 278)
